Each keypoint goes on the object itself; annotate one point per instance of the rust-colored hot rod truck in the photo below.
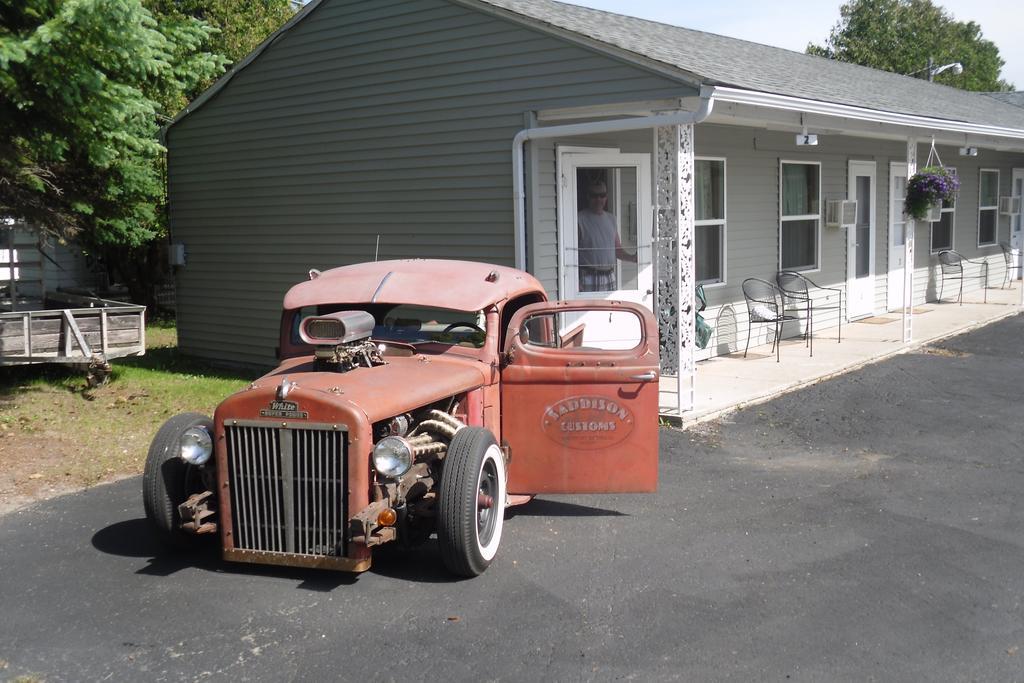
(413, 398)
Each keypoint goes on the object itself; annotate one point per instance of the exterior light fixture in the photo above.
(955, 67)
(932, 71)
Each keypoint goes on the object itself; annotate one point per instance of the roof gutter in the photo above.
(681, 118)
(788, 103)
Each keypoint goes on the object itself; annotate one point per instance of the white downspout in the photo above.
(637, 123)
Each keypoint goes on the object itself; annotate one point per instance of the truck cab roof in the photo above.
(459, 285)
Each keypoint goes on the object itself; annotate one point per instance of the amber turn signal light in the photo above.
(387, 517)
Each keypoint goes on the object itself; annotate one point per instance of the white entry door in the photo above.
(605, 236)
(1016, 227)
(897, 234)
(860, 242)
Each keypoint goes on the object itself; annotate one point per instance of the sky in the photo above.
(794, 23)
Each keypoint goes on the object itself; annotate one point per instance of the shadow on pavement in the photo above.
(135, 538)
(130, 538)
(421, 564)
(553, 508)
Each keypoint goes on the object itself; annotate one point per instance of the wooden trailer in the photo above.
(89, 331)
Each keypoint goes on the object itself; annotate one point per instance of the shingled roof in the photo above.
(1014, 98)
(723, 61)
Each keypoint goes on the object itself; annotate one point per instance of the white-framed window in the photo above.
(988, 207)
(799, 215)
(942, 231)
(709, 226)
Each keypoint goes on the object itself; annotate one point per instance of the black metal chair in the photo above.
(797, 288)
(764, 305)
(1008, 258)
(702, 328)
(952, 264)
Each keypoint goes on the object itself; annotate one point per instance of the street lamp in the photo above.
(933, 71)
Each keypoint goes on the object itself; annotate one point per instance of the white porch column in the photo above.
(908, 253)
(676, 308)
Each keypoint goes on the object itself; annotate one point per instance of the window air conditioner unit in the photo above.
(1009, 206)
(840, 213)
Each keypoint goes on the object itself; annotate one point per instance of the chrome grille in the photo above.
(288, 488)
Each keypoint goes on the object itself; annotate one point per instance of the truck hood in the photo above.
(378, 392)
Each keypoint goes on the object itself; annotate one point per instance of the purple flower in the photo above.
(928, 187)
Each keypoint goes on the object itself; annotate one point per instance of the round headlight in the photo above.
(196, 445)
(392, 456)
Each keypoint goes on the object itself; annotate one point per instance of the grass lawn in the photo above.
(56, 435)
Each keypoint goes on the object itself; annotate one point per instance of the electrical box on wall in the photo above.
(176, 254)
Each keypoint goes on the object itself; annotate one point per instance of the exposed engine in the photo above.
(342, 340)
(413, 494)
(345, 357)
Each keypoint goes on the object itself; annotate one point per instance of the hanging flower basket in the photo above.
(928, 188)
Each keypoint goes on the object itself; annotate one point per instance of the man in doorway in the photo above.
(599, 243)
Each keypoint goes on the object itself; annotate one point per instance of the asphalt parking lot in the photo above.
(866, 528)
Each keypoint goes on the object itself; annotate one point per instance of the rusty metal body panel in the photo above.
(581, 420)
(380, 392)
(344, 564)
(426, 282)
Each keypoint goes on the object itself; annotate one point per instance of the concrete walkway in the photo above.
(729, 382)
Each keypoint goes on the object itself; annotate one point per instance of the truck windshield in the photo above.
(411, 324)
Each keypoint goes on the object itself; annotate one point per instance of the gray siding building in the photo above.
(480, 129)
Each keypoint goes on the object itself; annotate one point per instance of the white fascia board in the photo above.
(731, 114)
(797, 104)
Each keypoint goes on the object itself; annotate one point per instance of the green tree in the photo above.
(241, 25)
(81, 87)
(901, 36)
(84, 87)
(238, 27)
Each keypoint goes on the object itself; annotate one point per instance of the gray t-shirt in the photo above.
(597, 233)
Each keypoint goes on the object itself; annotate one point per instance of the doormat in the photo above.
(876, 320)
(919, 311)
(753, 355)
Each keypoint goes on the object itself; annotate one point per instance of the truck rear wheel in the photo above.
(168, 481)
(471, 508)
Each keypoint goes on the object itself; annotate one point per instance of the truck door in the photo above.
(579, 418)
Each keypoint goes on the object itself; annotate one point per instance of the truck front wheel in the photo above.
(471, 508)
(168, 481)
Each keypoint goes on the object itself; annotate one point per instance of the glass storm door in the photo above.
(860, 241)
(605, 236)
(1016, 228)
(897, 234)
